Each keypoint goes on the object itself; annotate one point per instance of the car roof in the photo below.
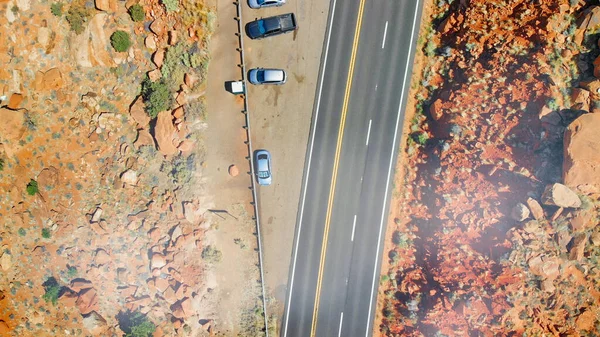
(273, 75)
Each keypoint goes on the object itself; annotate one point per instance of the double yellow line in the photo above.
(336, 163)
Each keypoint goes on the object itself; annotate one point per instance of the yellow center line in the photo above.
(336, 162)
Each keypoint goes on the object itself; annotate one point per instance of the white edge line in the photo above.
(368, 132)
(387, 185)
(353, 228)
(384, 35)
(341, 321)
(312, 142)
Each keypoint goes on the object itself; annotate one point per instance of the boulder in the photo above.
(15, 101)
(106, 5)
(158, 57)
(580, 98)
(588, 19)
(157, 27)
(581, 164)
(97, 215)
(87, 301)
(150, 42)
(436, 109)
(165, 133)
(561, 196)
(520, 212)
(547, 268)
(12, 127)
(154, 75)
(536, 209)
(161, 284)
(144, 138)
(98, 39)
(6, 262)
(138, 113)
(547, 115)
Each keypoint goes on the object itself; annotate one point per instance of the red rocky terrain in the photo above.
(494, 229)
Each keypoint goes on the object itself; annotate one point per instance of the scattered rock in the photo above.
(6, 262)
(583, 220)
(101, 257)
(161, 284)
(536, 209)
(129, 177)
(158, 261)
(581, 165)
(586, 321)
(520, 212)
(189, 80)
(157, 27)
(545, 267)
(79, 284)
(233, 170)
(178, 112)
(154, 75)
(172, 37)
(138, 113)
(561, 196)
(97, 215)
(176, 232)
(164, 133)
(52, 80)
(169, 295)
(94, 322)
(533, 227)
(109, 121)
(577, 246)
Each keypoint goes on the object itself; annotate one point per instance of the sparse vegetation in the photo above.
(120, 41)
(180, 169)
(171, 5)
(32, 187)
(77, 16)
(46, 234)
(22, 232)
(52, 289)
(211, 254)
(71, 271)
(137, 13)
(56, 9)
(157, 97)
(1, 164)
(135, 324)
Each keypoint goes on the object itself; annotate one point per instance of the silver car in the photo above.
(265, 3)
(262, 167)
(267, 76)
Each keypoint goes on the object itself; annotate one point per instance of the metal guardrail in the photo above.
(246, 112)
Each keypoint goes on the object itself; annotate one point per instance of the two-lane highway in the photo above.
(364, 79)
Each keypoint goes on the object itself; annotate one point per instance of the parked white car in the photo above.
(264, 3)
(267, 76)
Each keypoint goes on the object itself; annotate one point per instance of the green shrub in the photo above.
(156, 96)
(420, 137)
(22, 232)
(46, 234)
(211, 254)
(1, 164)
(120, 41)
(52, 289)
(56, 9)
(137, 13)
(32, 187)
(135, 324)
(171, 5)
(71, 271)
(77, 16)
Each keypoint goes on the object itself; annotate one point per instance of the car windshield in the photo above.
(260, 75)
(261, 27)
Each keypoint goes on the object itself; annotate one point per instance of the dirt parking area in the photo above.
(280, 120)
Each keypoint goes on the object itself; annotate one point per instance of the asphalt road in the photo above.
(336, 283)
